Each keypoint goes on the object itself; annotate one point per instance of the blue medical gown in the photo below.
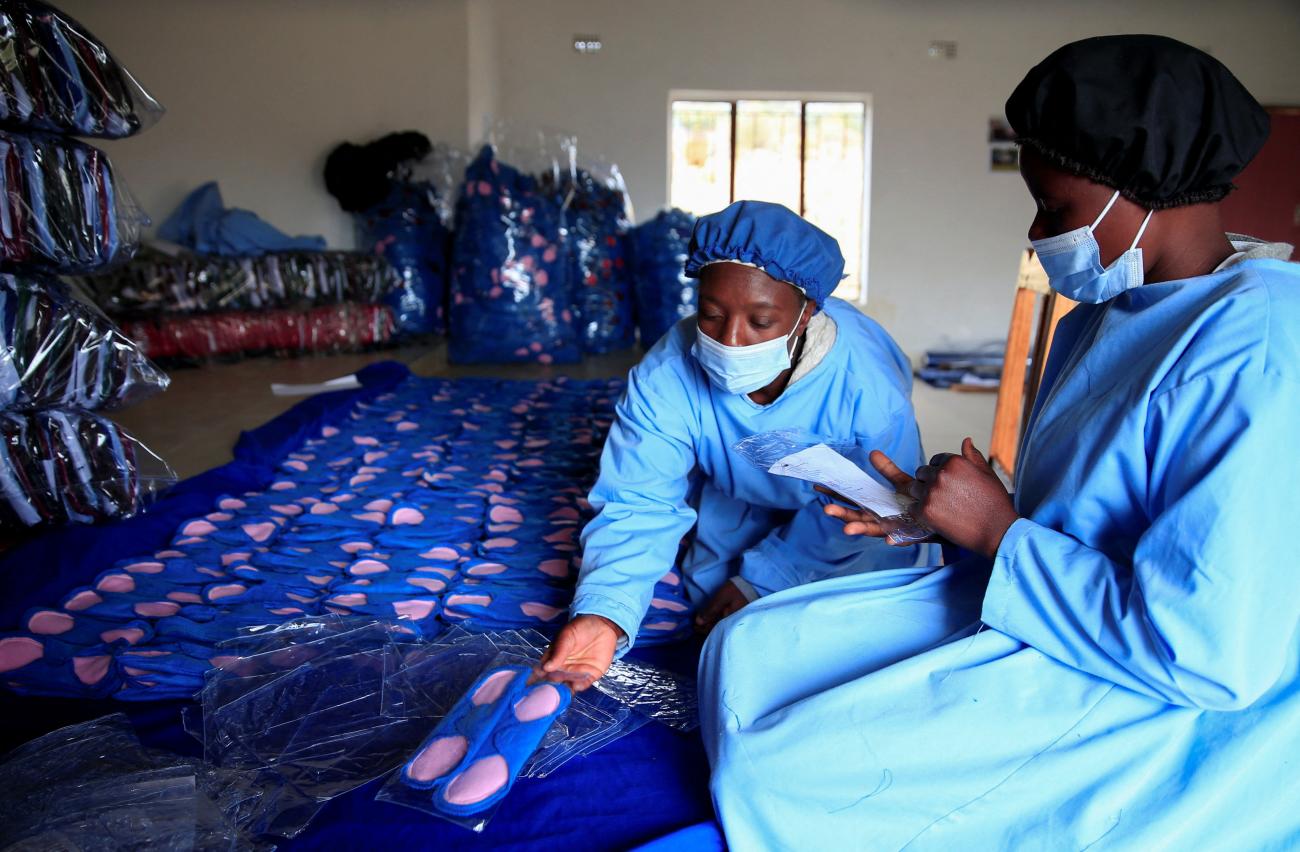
(668, 462)
(1123, 674)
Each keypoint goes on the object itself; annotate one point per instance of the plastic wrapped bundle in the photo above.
(56, 76)
(510, 290)
(596, 223)
(190, 283)
(399, 187)
(95, 786)
(664, 295)
(61, 208)
(65, 466)
(56, 350)
(327, 329)
(406, 230)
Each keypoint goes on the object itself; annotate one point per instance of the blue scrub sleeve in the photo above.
(812, 545)
(1206, 613)
(641, 500)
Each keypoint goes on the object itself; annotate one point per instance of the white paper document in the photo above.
(824, 466)
(350, 382)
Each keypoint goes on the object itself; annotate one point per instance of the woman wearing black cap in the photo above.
(1117, 662)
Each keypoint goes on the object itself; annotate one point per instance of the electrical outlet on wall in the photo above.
(943, 50)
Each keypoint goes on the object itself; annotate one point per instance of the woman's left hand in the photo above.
(962, 499)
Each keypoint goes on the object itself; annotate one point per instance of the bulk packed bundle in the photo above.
(64, 210)
(511, 295)
(664, 295)
(548, 267)
(398, 188)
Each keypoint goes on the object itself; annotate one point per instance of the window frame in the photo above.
(804, 98)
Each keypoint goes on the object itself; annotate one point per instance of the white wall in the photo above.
(945, 233)
(258, 91)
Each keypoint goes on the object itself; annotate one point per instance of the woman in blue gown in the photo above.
(769, 349)
(1114, 664)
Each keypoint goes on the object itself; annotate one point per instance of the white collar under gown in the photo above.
(1122, 676)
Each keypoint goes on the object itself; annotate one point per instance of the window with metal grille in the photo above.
(808, 154)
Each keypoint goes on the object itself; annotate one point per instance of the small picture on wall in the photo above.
(1003, 154)
(1000, 131)
(1004, 158)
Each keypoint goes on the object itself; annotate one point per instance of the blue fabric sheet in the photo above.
(651, 783)
(40, 570)
(203, 223)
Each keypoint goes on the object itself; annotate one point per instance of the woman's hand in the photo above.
(962, 499)
(729, 599)
(582, 652)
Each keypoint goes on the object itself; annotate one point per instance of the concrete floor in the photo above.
(194, 425)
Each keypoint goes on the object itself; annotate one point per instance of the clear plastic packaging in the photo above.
(93, 786)
(57, 350)
(303, 722)
(657, 694)
(65, 466)
(155, 283)
(431, 677)
(62, 209)
(56, 76)
(664, 295)
(768, 449)
(289, 332)
(511, 294)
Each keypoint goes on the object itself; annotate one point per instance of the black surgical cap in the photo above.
(1162, 122)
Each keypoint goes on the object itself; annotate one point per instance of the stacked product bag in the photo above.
(397, 187)
(57, 77)
(290, 332)
(511, 297)
(194, 307)
(597, 221)
(664, 295)
(63, 210)
(57, 350)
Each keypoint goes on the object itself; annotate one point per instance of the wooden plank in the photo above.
(1011, 389)
(1057, 307)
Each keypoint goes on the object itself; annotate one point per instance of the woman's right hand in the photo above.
(583, 651)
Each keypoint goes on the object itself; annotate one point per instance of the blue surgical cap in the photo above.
(772, 238)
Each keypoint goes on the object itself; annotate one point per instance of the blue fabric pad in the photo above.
(502, 605)
(470, 761)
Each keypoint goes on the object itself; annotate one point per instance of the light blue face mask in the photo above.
(744, 369)
(1073, 263)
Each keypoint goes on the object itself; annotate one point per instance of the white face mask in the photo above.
(1073, 263)
(744, 369)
